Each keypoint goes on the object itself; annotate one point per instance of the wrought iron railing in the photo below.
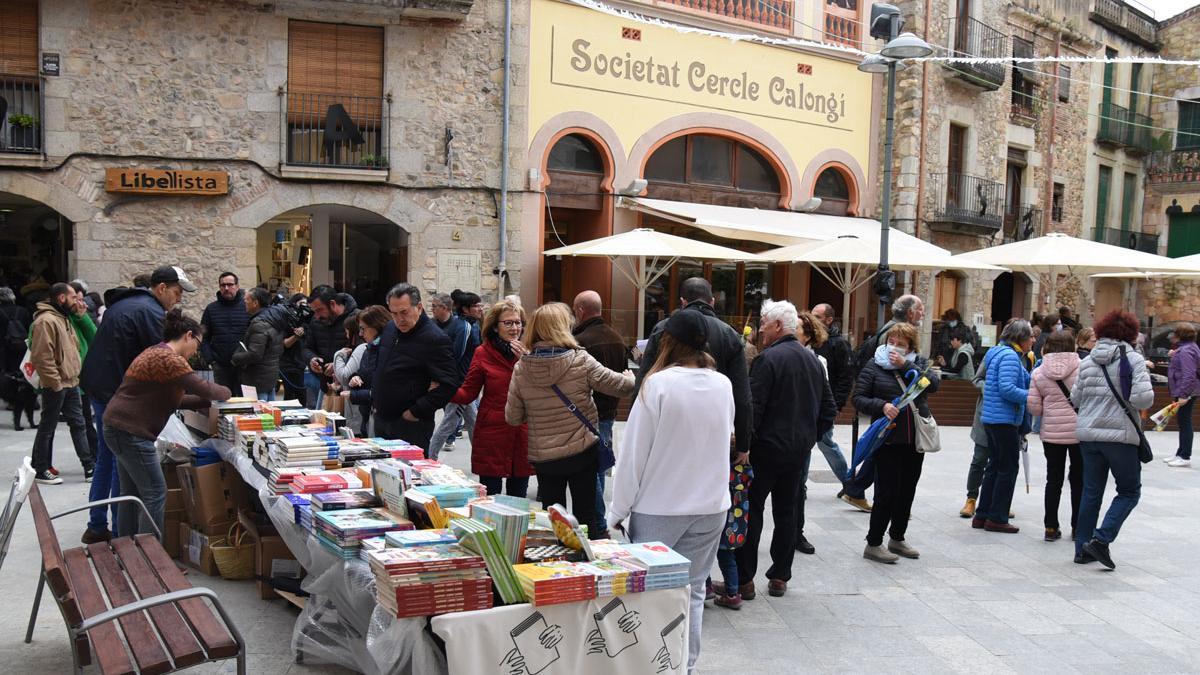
(1137, 132)
(1177, 166)
(772, 13)
(967, 200)
(1022, 222)
(334, 130)
(20, 114)
(1137, 241)
(1122, 19)
(973, 38)
(1121, 126)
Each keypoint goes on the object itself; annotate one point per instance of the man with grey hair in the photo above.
(416, 373)
(463, 342)
(793, 407)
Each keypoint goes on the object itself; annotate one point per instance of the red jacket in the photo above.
(497, 449)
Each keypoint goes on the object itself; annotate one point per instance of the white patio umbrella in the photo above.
(662, 250)
(1058, 253)
(1193, 260)
(849, 260)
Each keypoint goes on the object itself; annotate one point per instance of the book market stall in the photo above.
(405, 565)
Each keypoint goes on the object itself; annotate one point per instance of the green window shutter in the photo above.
(1188, 137)
(1184, 235)
(1128, 192)
(1102, 189)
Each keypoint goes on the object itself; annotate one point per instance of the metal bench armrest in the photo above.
(165, 598)
(112, 500)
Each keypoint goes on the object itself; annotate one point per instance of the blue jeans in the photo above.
(105, 482)
(1185, 429)
(605, 427)
(142, 477)
(451, 416)
(313, 390)
(727, 562)
(1098, 460)
(1000, 474)
(833, 456)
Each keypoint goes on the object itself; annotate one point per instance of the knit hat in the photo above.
(690, 328)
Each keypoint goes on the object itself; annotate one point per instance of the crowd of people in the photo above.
(719, 421)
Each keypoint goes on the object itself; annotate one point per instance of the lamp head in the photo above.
(906, 46)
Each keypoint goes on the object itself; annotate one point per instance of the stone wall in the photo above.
(168, 83)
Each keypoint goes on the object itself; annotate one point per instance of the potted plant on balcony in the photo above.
(23, 130)
(374, 161)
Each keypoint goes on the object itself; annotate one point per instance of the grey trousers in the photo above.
(975, 473)
(695, 538)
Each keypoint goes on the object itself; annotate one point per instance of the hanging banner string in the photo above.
(1149, 60)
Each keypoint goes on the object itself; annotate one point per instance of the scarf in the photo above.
(502, 346)
(881, 357)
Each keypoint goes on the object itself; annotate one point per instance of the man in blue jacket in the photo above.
(225, 321)
(464, 339)
(416, 374)
(132, 322)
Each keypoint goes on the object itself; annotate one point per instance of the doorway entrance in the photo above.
(1009, 297)
(35, 245)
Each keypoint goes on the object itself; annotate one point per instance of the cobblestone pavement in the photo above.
(974, 602)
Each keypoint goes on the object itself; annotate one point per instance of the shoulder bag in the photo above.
(925, 428)
(1067, 394)
(606, 457)
(1144, 453)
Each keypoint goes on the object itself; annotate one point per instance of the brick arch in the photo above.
(50, 192)
(719, 125)
(846, 165)
(586, 124)
(405, 212)
(597, 141)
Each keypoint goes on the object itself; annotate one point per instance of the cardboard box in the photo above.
(171, 475)
(272, 557)
(174, 499)
(203, 422)
(198, 551)
(208, 495)
(170, 539)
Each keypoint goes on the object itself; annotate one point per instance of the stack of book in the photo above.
(553, 583)
(342, 532)
(356, 450)
(424, 510)
(305, 451)
(344, 499)
(410, 538)
(664, 567)
(615, 577)
(511, 523)
(449, 476)
(326, 481)
(545, 553)
(370, 544)
(397, 449)
(449, 495)
(427, 580)
(280, 479)
(481, 539)
(298, 502)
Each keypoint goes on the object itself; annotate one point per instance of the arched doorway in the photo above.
(35, 247)
(354, 250)
(837, 191)
(577, 210)
(708, 168)
(1010, 296)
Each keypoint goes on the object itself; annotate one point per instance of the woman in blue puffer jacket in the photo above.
(1004, 393)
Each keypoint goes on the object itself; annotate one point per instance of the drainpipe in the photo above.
(502, 266)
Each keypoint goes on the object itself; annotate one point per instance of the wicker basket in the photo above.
(234, 558)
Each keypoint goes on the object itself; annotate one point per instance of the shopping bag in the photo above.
(29, 371)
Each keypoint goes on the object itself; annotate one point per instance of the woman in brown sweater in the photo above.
(158, 382)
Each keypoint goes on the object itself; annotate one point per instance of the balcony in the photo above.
(966, 204)
(974, 38)
(1022, 222)
(1122, 127)
(452, 10)
(335, 131)
(20, 114)
(1124, 20)
(1177, 166)
(1137, 241)
(1024, 109)
(775, 14)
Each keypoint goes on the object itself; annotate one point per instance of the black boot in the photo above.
(1099, 550)
(17, 419)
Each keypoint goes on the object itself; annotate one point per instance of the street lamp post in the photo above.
(886, 24)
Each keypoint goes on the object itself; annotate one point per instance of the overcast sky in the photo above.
(1165, 9)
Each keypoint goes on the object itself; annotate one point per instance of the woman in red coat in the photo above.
(498, 451)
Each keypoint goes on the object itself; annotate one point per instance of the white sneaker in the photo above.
(1168, 458)
(1179, 463)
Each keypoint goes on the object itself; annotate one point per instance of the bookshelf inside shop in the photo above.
(289, 259)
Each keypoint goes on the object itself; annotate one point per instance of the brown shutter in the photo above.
(340, 63)
(19, 38)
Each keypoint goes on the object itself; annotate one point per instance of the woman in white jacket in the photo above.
(1113, 384)
(671, 481)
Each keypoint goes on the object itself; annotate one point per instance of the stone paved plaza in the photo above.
(975, 602)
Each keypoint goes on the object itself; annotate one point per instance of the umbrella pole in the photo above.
(641, 299)
(846, 322)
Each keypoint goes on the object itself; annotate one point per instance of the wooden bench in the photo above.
(127, 607)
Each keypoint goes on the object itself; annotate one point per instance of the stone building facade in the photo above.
(167, 84)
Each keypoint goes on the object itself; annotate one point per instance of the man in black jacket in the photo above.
(416, 374)
(323, 337)
(606, 346)
(726, 348)
(837, 353)
(258, 352)
(224, 321)
(793, 407)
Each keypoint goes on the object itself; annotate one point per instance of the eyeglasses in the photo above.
(228, 285)
(512, 323)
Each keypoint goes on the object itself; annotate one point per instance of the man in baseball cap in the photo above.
(172, 275)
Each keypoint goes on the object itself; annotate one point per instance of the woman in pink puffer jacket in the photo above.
(1060, 364)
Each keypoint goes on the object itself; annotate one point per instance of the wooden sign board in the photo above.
(166, 182)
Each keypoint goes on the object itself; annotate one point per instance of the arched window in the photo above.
(723, 171)
(834, 191)
(574, 152)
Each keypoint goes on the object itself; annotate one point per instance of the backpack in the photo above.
(15, 336)
(865, 352)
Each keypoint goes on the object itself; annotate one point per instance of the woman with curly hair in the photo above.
(1113, 383)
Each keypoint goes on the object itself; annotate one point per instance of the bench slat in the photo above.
(143, 641)
(54, 567)
(105, 639)
(185, 650)
(217, 640)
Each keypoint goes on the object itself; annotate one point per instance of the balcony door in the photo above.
(962, 26)
(956, 158)
(1188, 135)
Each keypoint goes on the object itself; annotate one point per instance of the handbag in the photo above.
(606, 457)
(925, 428)
(1145, 455)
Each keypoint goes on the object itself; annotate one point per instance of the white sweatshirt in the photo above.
(675, 456)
